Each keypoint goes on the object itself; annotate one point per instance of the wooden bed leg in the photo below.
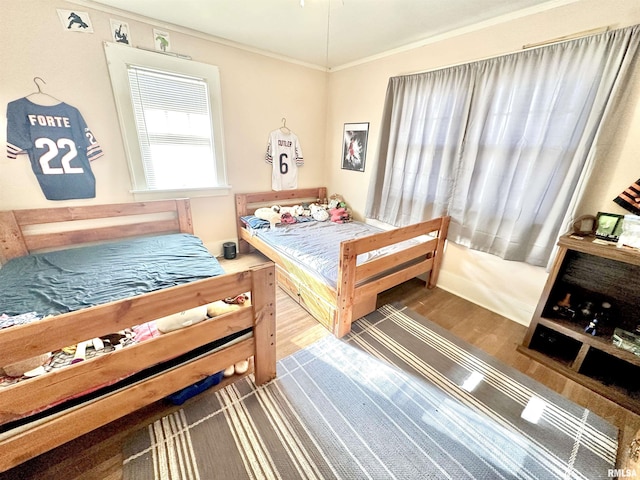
(243, 246)
(11, 240)
(345, 290)
(264, 332)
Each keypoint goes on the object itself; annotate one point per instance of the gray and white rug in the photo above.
(399, 397)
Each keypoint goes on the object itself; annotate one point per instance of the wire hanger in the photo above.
(43, 98)
(284, 128)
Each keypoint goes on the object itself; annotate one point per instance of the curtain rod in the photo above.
(566, 38)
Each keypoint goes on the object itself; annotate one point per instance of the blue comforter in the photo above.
(68, 280)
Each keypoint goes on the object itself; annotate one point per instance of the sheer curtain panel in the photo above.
(502, 145)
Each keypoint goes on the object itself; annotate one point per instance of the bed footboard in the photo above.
(359, 285)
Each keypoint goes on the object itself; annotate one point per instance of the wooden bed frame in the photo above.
(357, 286)
(25, 341)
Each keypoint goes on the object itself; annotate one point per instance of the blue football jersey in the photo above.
(59, 144)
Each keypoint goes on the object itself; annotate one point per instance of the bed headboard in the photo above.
(247, 203)
(25, 231)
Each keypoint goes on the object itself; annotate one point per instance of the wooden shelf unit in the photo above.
(596, 273)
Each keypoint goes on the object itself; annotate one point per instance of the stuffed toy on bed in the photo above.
(277, 214)
(268, 214)
(30, 366)
(339, 215)
(319, 213)
(228, 305)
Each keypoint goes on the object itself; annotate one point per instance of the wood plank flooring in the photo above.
(97, 455)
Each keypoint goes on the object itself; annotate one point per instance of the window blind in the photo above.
(175, 131)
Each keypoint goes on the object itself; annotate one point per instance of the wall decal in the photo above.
(161, 40)
(75, 21)
(120, 31)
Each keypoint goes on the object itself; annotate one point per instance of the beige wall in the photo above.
(356, 94)
(257, 92)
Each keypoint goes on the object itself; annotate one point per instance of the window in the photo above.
(504, 146)
(171, 121)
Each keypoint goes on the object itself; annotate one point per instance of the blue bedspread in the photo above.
(68, 280)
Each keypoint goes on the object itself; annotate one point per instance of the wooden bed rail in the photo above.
(18, 399)
(18, 237)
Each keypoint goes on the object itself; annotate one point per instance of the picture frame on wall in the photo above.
(354, 146)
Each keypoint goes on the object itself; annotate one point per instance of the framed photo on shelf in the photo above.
(609, 226)
(354, 146)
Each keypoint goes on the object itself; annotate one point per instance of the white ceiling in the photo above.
(357, 29)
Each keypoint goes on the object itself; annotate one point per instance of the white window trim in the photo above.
(119, 57)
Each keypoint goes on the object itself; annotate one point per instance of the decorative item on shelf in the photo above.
(585, 225)
(592, 327)
(625, 340)
(609, 226)
(587, 310)
(597, 319)
(630, 235)
(604, 315)
(563, 307)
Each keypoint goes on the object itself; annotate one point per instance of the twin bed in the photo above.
(335, 270)
(41, 412)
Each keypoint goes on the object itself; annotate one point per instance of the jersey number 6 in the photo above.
(284, 166)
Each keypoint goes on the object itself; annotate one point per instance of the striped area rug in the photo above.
(399, 397)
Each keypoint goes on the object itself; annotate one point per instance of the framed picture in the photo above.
(609, 226)
(354, 146)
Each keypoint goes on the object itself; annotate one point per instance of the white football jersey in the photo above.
(285, 154)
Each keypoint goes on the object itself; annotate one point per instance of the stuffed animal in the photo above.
(339, 215)
(181, 319)
(336, 200)
(295, 210)
(338, 209)
(269, 214)
(319, 213)
(228, 305)
(30, 366)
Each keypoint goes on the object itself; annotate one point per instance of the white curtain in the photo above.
(502, 145)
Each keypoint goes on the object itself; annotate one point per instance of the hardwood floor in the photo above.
(97, 455)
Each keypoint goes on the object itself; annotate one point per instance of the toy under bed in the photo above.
(119, 286)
